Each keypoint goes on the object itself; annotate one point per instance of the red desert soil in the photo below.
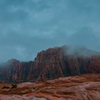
(83, 87)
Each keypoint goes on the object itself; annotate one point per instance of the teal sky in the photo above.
(29, 26)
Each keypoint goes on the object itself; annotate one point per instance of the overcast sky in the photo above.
(29, 26)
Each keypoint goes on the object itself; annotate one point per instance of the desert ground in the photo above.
(83, 87)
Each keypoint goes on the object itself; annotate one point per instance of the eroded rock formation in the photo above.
(83, 87)
(50, 64)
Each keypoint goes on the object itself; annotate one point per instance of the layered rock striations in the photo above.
(83, 87)
(15, 71)
(50, 64)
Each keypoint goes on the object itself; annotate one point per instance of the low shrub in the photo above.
(5, 87)
(14, 86)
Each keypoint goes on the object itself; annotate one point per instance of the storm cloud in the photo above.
(29, 26)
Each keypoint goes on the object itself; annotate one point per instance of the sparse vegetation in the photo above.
(5, 87)
(14, 86)
(30, 90)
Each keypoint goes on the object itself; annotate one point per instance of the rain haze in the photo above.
(29, 26)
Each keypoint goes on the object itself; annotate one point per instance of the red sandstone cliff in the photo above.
(50, 64)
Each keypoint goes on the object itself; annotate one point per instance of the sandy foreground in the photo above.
(83, 87)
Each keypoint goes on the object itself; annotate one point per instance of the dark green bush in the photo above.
(5, 87)
(14, 86)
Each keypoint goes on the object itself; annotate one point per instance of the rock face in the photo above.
(83, 87)
(54, 63)
(50, 64)
(15, 71)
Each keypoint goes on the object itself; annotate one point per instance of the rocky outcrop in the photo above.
(15, 71)
(54, 63)
(50, 64)
(83, 87)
